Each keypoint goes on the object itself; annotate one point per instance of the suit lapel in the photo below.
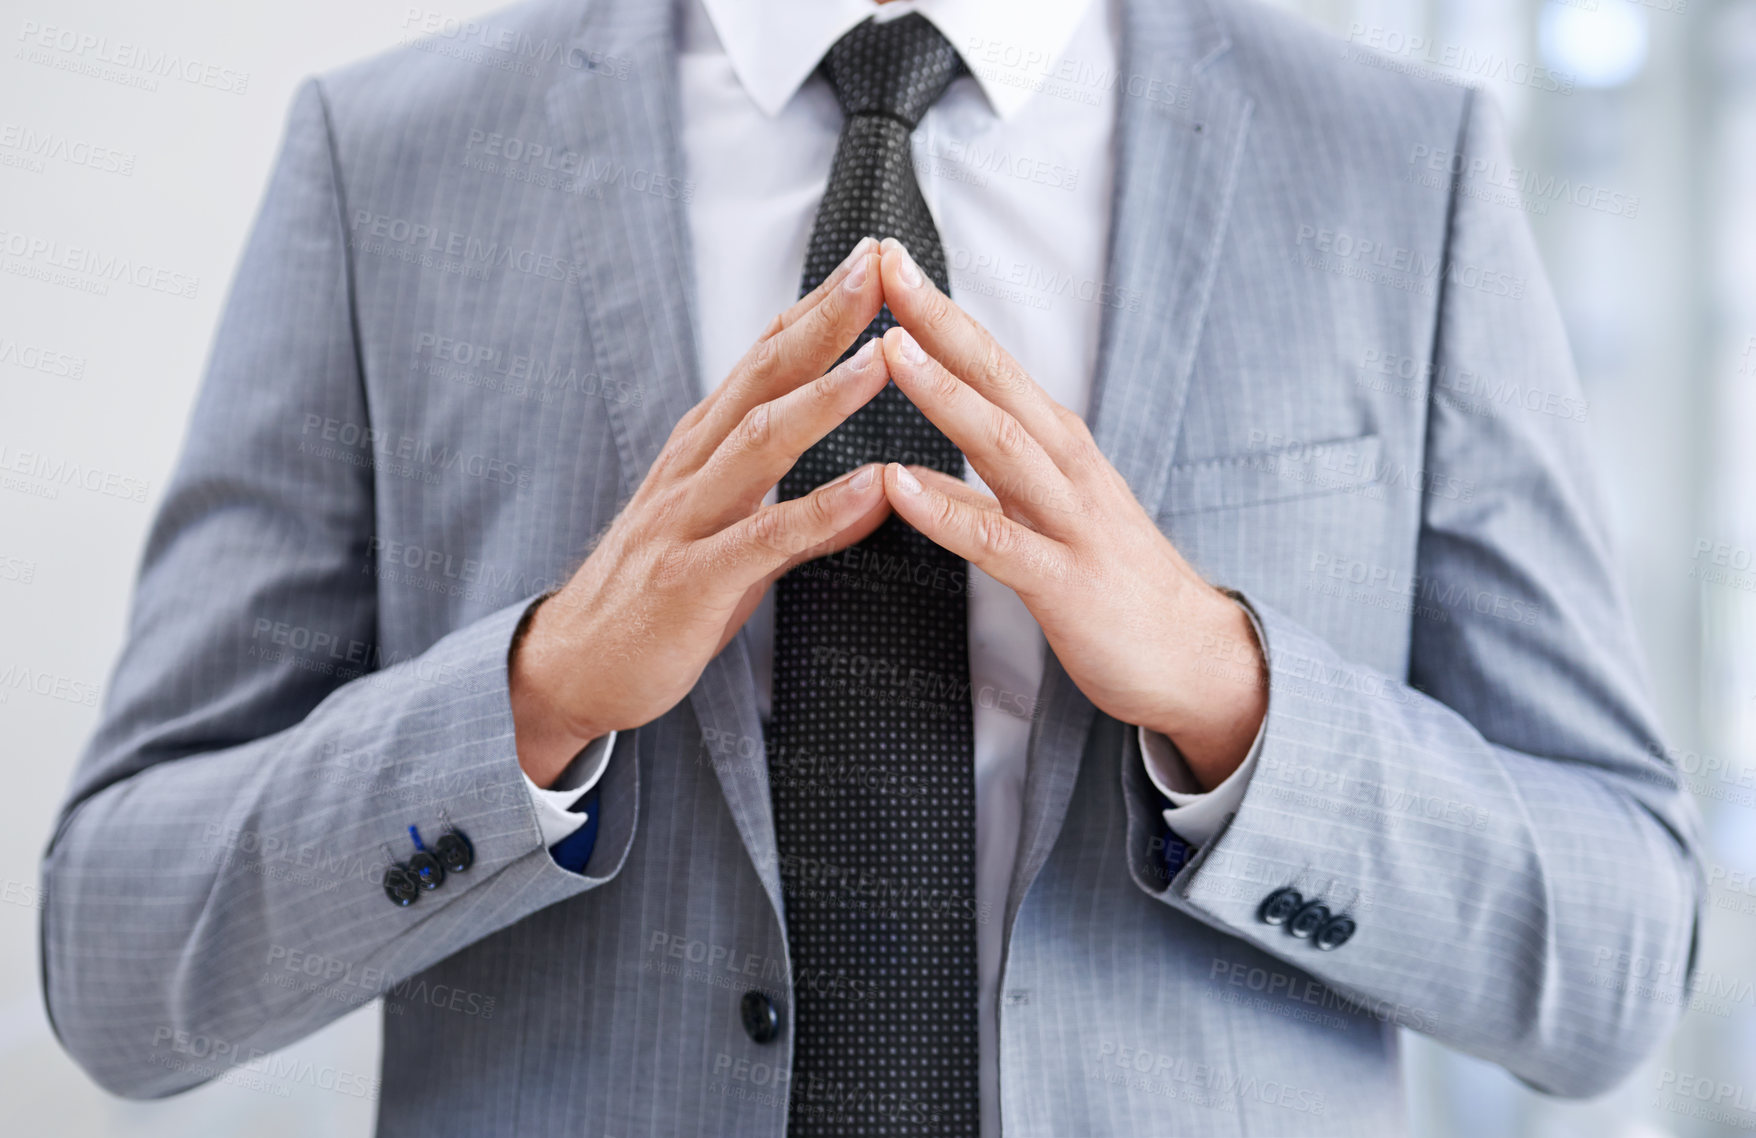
(632, 246)
(1180, 136)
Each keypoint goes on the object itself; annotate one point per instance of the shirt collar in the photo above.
(1009, 45)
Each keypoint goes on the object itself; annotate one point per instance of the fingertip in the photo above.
(890, 259)
(902, 478)
(896, 344)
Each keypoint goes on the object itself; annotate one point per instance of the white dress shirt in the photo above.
(1016, 165)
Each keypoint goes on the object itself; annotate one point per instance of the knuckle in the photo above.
(756, 428)
(820, 511)
(945, 385)
(1072, 422)
(826, 333)
(939, 314)
(671, 567)
(996, 366)
(1085, 458)
(993, 532)
(945, 513)
(662, 514)
(828, 390)
(769, 530)
(766, 355)
(1009, 437)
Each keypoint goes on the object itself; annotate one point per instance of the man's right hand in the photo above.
(685, 563)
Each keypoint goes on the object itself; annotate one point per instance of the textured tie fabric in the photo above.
(870, 736)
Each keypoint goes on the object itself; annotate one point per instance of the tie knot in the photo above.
(894, 67)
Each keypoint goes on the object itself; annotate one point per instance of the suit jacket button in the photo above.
(761, 1018)
(1308, 920)
(426, 869)
(454, 851)
(1279, 906)
(1335, 934)
(400, 886)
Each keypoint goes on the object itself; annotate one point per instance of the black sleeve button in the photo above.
(761, 1018)
(1279, 906)
(426, 869)
(454, 851)
(1308, 919)
(1337, 932)
(400, 886)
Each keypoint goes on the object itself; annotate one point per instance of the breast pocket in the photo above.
(1261, 477)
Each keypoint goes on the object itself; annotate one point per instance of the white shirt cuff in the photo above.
(1195, 815)
(554, 818)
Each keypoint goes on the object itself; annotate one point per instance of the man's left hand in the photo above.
(1142, 635)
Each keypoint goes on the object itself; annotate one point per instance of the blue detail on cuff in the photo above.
(574, 851)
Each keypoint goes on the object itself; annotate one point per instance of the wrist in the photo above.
(547, 734)
(1221, 681)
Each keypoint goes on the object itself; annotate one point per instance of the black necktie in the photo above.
(871, 753)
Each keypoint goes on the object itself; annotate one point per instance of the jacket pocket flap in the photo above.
(1263, 476)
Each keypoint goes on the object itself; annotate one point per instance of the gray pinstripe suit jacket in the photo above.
(1339, 382)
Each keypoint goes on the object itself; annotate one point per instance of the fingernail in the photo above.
(908, 482)
(863, 358)
(856, 279)
(908, 270)
(863, 479)
(857, 252)
(911, 351)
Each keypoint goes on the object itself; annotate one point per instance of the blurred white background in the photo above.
(1635, 127)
